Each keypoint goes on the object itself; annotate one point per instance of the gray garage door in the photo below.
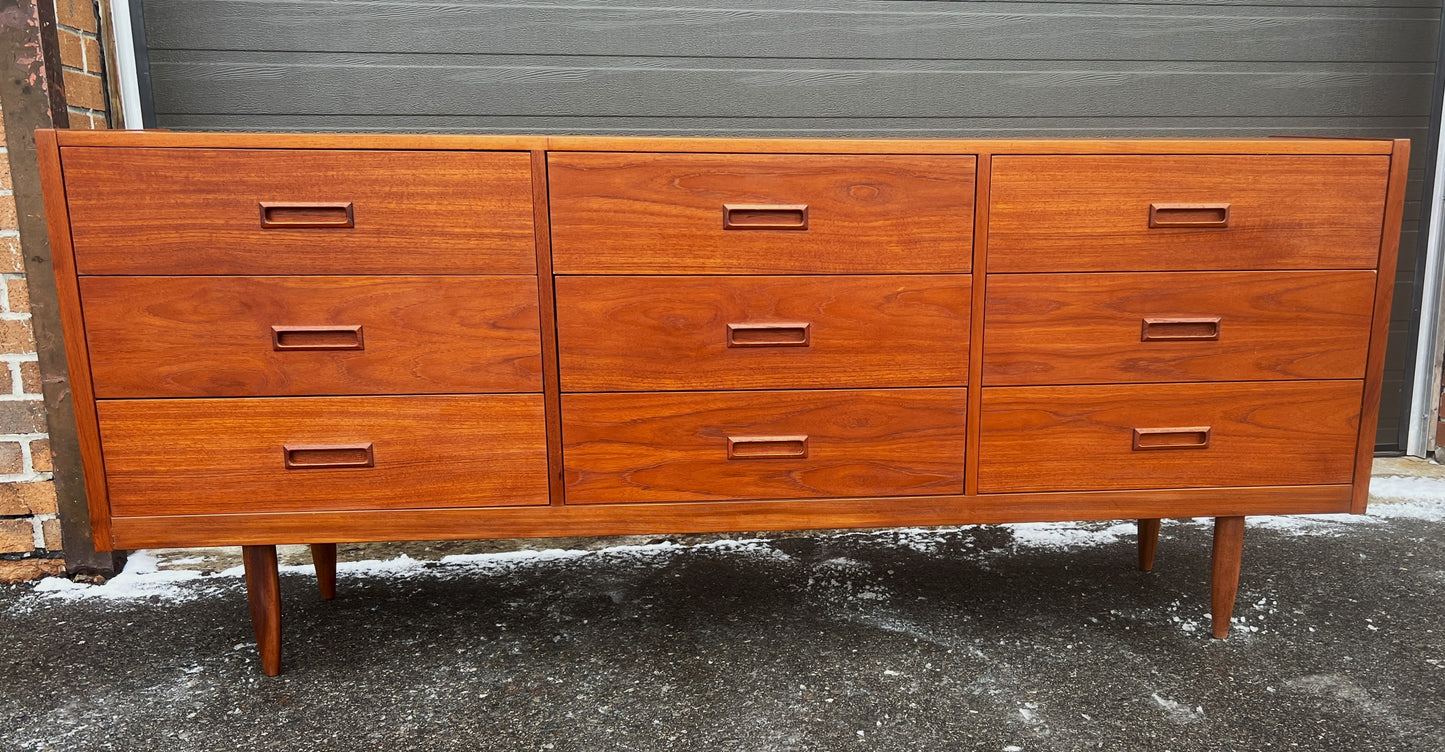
(1207, 68)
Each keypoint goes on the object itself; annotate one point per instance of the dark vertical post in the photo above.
(32, 90)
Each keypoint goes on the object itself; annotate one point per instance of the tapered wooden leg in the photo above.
(323, 555)
(1148, 542)
(1228, 551)
(263, 590)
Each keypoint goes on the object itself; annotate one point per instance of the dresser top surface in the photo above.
(230, 140)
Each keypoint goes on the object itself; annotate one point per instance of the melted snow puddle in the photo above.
(1397, 498)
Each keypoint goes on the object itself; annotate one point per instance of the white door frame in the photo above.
(123, 64)
(1425, 391)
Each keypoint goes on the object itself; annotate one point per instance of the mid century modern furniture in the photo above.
(326, 338)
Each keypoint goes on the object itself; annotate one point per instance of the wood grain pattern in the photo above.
(323, 559)
(415, 212)
(618, 213)
(200, 456)
(722, 516)
(1065, 438)
(1086, 328)
(673, 447)
(665, 333)
(771, 509)
(238, 139)
(72, 323)
(982, 184)
(263, 595)
(547, 298)
(1224, 565)
(1023, 139)
(1380, 325)
(211, 336)
(1148, 543)
(1091, 213)
(709, 145)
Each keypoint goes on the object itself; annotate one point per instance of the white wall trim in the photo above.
(1425, 391)
(123, 65)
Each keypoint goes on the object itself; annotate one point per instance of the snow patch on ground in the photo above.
(1338, 687)
(1398, 498)
(1402, 500)
(924, 540)
(1408, 488)
(1061, 535)
(140, 579)
(143, 578)
(1176, 711)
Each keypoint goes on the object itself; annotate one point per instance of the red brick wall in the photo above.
(78, 23)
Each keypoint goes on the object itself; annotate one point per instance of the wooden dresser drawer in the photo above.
(1080, 438)
(702, 446)
(1176, 326)
(259, 211)
(616, 213)
(256, 336)
(1180, 213)
(662, 333)
(204, 456)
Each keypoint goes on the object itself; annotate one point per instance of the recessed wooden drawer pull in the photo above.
(1196, 437)
(1189, 215)
(766, 447)
(765, 216)
(769, 335)
(301, 214)
(317, 457)
(1167, 330)
(317, 338)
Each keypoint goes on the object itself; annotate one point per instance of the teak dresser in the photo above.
(331, 338)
